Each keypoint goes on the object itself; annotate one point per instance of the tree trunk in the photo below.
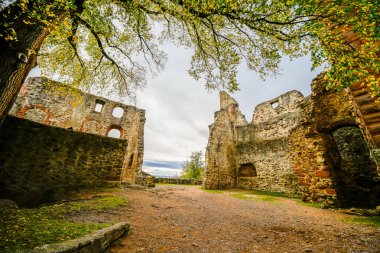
(17, 58)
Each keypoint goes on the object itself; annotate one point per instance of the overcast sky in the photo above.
(179, 109)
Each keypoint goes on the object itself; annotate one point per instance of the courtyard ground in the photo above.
(188, 219)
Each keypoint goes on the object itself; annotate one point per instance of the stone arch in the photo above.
(247, 170)
(353, 171)
(113, 129)
(37, 113)
(90, 126)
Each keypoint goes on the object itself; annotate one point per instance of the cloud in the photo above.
(163, 164)
(179, 109)
(162, 172)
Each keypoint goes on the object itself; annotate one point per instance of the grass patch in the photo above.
(373, 221)
(275, 194)
(249, 196)
(316, 205)
(212, 191)
(22, 229)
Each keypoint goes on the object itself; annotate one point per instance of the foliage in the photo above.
(22, 229)
(348, 38)
(192, 169)
(111, 45)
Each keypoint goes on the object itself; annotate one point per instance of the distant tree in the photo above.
(193, 168)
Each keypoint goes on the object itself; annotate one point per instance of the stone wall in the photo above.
(254, 155)
(310, 145)
(265, 145)
(220, 172)
(164, 180)
(52, 103)
(323, 150)
(40, 163)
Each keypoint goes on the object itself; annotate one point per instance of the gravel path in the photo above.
(187, 219)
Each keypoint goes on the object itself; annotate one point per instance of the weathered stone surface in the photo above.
(55, 104)
(311, 145)
(163, 180)
(96, 242)
(257, 154)
(220, 153)
(40, 163)
(329, 154)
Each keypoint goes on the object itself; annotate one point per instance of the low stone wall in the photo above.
(40, 163)
(96, 242)
(161, 180)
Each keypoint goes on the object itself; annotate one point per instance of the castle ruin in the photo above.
(51, 103)
(57, 139)
(311, 145)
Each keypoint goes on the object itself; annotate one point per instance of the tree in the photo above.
(193, 168)
(111, 44)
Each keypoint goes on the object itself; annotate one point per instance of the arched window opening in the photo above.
(114, 133)
(275, 104)
(118, 112)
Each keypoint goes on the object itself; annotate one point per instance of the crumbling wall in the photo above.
(255, 155)
(40, 163)
(265, 144)
(321, 161)
(52, 103)
(310, 145)
(220, 172)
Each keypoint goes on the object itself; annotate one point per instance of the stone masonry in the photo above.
(311, 146)
(55, 104)
(253, 155)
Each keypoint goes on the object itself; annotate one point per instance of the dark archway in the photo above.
(354, 170)
(247, 170)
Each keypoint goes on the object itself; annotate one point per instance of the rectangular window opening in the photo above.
(99, 105)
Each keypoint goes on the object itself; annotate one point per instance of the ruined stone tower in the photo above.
(311, 146)
(52, 103)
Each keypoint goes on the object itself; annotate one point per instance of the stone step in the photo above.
(359, 92)
(363, 99)
(374, 128)
(372, 117)
(376, 140)
(369, 108)
(364, 95)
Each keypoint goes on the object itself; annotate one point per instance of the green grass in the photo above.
(254, 197)
(316, 205)
(22, 229)
(373, 221)
(212, 191)
(275, 194)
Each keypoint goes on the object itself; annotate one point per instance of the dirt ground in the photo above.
(187, 219)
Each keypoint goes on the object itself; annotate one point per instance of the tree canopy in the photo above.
(108, 43)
